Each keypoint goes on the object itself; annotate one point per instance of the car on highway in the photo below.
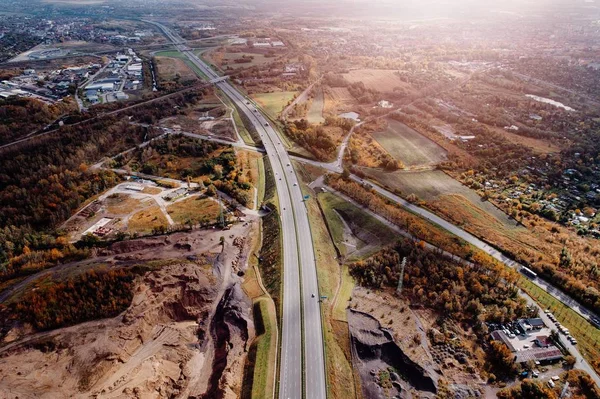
(295, 184)
(266, 124)
(248, 102)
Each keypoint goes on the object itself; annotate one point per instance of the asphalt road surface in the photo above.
(301, 306)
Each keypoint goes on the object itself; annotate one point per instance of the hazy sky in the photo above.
(407, 9)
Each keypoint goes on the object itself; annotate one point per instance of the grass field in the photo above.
(264, 317)
(273, 103)
(588, 337)
(315, 112)
(436, 187)
(193, 208)
(121, 204)
(177, 54)
(408, 146)
(169, 67)
(147, 219)
(539, 146)
(344, 295)
(152, 190)
(340, 378)
(383, 80)
(228, 60)
(369, 231)
(261, 181)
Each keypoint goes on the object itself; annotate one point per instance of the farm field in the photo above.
(382, 80)
(273, 103)
(437, 188)
(194, 209)
(315, 112)
(408, 146)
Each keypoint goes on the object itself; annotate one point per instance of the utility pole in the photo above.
(565, 390)
(401, 279)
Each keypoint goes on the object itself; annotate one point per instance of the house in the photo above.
(536, 323)
(543, 341)
(121, 96)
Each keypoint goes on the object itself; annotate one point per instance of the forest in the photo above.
(315, 138)
(21, 116)
(92, 295)
(44, 180)
(471, 294)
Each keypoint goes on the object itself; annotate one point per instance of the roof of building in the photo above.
(536, 322)
(543, 340)
(100, 86)
(499, 335)
(539, 354)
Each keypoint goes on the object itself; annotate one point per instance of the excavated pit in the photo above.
(230, 320)
(376, 354)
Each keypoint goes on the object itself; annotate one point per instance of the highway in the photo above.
(301, 307)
